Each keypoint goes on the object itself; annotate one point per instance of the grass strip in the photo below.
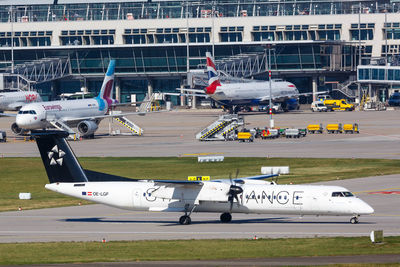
(74, 252)
(28, 174)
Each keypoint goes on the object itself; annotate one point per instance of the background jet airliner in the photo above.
(10, 101)
(240, 195)
(247, 93)
(85, 114)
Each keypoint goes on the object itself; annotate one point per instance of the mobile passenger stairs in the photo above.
(59, 125)
(124, 121)
(221, 129)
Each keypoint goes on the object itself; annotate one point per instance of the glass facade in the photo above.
(375, 74)
(194, 9)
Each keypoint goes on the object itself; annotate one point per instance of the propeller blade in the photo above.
(237, 173)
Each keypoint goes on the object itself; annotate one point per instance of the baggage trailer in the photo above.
(245, 137)
(334, 128)
(315, 128)
(351, 128)
(292, 133)
(270, 133)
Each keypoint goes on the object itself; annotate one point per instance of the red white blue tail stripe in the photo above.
(213, 77)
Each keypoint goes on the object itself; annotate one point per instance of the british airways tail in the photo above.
(60, 162)
(213, 77)
(108, 85)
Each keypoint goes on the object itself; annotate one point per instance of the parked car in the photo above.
(394, 99)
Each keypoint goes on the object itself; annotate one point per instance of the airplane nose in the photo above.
(20, 121)
(364, 208)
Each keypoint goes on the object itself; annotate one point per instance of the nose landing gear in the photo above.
(185, 219)
(354, 220)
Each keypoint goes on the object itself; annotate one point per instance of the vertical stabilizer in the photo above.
(213, 77)
(108, 84)
(58, 158)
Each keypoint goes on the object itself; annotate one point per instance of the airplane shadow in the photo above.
(278, 220)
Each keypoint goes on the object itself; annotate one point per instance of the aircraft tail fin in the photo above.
(108, 84)
(59, 160)
(213, 77)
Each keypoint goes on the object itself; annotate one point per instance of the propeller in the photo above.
(234, 190)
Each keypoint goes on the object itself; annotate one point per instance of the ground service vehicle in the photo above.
(334, 128)
(293, 133)
(270, 133)
(245, 136)
(3, 136)
(351, 128)
(315, 128)
(338, 104)
(394, 99)
(318, 106)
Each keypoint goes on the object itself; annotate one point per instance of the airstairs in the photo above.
(147, 102)
(131, 126)
(345, 90)
(63, 127)
(221, 128)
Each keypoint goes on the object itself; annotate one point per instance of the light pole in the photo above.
(271, 121)
(12, 37)
(268, 67)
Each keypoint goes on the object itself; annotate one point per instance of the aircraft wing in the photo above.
(16, 105)
(282, 97)
(110, 116)
(179, 94)
(2, 114)
(240, 180)
(195, 191)
(191, 90)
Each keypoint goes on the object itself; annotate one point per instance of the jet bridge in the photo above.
(25, 76)
(220, 129)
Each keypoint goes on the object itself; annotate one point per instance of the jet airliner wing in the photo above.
(2, 114)
(110, 116)
(285, 96)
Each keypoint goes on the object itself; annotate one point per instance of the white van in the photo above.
(318, 106)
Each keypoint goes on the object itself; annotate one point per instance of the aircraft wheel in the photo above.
(226, 217)
(185, 220)
(354, 220)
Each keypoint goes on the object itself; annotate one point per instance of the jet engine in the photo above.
(87, 128)
(18, 131)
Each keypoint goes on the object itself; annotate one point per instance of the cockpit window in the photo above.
(342, 194)
(337, 194)
(348, 194)
(26, 112)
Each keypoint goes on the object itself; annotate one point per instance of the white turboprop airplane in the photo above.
(247, 93)
(240, 195)
(85, 114)
(10, 101)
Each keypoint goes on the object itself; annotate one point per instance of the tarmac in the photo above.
(173, 134)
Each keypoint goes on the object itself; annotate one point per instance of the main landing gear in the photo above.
(226, 217)
(185, 219)
(354, 220)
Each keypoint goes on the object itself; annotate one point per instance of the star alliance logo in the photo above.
(56, 156)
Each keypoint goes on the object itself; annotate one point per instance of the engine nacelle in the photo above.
(18, 131)
(87, 128)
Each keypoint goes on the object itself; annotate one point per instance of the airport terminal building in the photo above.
(60, 46)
